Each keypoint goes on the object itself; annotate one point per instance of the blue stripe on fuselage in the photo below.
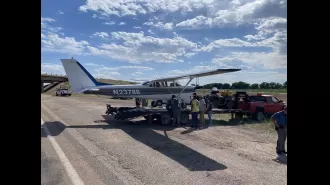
(91, 77)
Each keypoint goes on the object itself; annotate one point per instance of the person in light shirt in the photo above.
(202, 108)
(194, 111)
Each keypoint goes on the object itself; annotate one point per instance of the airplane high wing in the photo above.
(196, 75)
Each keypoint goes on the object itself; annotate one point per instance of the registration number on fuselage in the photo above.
(125, 92)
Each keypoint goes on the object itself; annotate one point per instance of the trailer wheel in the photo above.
(165, 119)
(159, 103)
(153, 104)
(184, 118)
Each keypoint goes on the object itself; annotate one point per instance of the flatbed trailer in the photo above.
(159, 113)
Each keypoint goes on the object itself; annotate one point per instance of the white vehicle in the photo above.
(82, 81)
(63, 92)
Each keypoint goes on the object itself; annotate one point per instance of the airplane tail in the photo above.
(79, 78)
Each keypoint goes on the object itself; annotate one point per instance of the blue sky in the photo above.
(146, 39)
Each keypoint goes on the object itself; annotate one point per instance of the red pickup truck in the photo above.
(258, 106)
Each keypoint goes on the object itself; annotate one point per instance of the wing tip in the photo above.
(229, 70)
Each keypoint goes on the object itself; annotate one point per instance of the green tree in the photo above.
(264, 85)
(226, 86)
(285, 84)
(255, 86)
(278, 86)
(240, 85)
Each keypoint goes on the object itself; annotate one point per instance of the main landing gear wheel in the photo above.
(157, 103)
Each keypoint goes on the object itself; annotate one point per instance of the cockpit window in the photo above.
(146, 83)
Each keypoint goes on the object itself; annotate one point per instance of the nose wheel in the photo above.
(157, 103)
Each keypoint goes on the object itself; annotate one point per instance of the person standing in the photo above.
(194, 111)
(280, 121)
(209, 107)
(176, 110)
(202, 108)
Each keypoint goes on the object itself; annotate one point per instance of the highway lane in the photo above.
(112, 152)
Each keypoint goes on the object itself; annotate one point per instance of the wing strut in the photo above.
(185, 86)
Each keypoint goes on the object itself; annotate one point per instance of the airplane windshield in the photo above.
(146, 83)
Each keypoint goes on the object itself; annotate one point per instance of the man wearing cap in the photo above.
(280, 121)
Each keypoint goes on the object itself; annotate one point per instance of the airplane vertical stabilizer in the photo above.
(79, 78)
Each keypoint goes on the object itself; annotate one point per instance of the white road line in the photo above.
(72, 173)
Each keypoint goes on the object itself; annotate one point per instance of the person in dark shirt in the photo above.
(280, 121)
(176, 110)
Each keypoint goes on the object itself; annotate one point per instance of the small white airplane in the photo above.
(158, 90)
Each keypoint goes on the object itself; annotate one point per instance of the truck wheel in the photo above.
(159, 103)
(229, 104)
(260, 116)
(165, 119)
(153, 104)
(56, 94)
(184, 118)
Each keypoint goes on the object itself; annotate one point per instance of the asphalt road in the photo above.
(79, 145)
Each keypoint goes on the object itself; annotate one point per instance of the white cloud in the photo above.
(119, 67)
(121, 23)
(46, 19)
(98, 71)
(51, 68)
(54, 43)
(109, 23)
(189, 55)
(260, 59)
(60, 12)
(101, 34)
(197, 22)
(267, 27)
(47, 27)
(137, 27)
(234, 13)
(94, 16)
(160, 25)
(137, 74)
(106, 74)
(138, 48)
(130, 7)
(151, 32)
(223, 43)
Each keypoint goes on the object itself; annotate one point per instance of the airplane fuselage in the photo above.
(145, 92)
